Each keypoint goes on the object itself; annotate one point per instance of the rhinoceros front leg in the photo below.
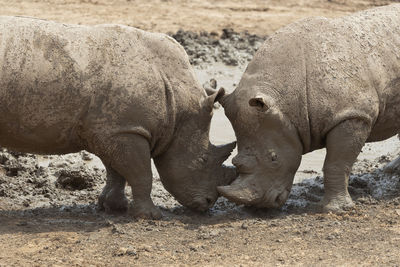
(129, 155)
(112, 199)
(343, 144)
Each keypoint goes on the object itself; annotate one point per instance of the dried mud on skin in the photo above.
(49, 216)
(68, 180)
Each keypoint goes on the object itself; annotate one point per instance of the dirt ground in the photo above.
(256, 16)
(48, 214)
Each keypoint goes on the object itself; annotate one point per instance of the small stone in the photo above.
(330, 237)
(2, 193)
(86, 156)
(145, 248)
(122, 251)
(23, 223)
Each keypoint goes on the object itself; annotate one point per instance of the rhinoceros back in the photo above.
(52, 75)
(353, 72)
(322, 71)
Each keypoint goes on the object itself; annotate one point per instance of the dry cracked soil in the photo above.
(48, 213)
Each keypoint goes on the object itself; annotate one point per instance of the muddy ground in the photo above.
(48, 213)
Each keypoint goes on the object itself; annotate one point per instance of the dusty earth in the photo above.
(48, 213)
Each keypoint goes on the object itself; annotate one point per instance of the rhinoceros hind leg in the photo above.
(343, 144)
(393, 166)
(130, 157)
(112, 199)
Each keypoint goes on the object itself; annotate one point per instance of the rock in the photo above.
(125, 251)
(86, 156)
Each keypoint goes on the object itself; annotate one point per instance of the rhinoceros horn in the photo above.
(229, 175)
(222, 152)
(223, 99)
(241, 192)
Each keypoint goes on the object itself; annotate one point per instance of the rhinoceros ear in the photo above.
(260, 102)
(213, 96)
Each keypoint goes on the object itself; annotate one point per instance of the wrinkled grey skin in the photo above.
(121, 93)
(317, 83)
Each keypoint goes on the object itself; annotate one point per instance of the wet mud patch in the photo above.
(76, 179)
(229, 47)
(26, 183)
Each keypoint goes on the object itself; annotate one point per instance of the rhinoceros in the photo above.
(125, 95)
(316, 83)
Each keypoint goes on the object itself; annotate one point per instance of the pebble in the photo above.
(122, 251)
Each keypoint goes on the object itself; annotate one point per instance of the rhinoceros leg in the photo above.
(343, 144)
(393, 166)
(112, 199)
(130, 157)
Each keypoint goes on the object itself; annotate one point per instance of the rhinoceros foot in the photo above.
(337, 204)
(113, 202)
(146, 210)
(393, 167)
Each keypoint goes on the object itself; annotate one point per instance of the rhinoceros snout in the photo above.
(241, 191)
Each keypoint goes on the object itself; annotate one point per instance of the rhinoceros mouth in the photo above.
(202, 204)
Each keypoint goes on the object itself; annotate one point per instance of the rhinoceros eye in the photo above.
(202, 160)
(274, 157)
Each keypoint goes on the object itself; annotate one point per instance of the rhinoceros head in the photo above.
(269, 151)
(191, 168)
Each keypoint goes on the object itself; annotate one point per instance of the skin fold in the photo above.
(316, 83)
(121, 93)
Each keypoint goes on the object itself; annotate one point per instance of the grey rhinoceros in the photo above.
(316, 83)
(121, 93)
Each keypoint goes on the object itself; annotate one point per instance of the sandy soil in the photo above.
(257, 16)
(48, 214)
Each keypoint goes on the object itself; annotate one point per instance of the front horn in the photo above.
(241, 193)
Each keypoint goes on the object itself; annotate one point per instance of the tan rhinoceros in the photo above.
(121, 93)
(316, 83)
